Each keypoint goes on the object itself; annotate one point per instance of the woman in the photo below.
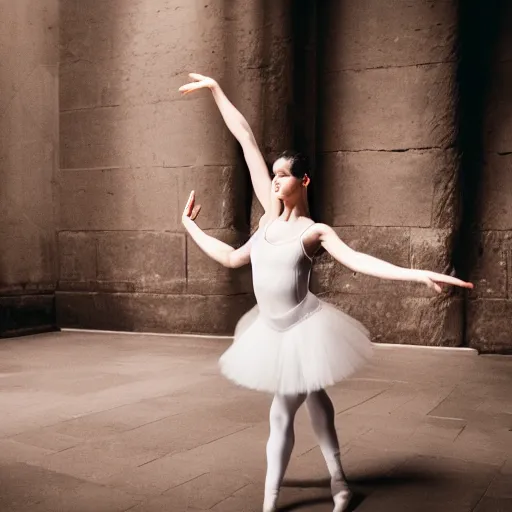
(292, 344)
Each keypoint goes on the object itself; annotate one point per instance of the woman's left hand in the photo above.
(435, 281)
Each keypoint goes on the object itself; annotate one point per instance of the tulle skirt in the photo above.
(312, 347)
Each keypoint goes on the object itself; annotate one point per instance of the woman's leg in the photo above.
(321, 412)
(280, 444)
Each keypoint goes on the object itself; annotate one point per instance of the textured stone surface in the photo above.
(498, 119)
(126, 29)
(132, 148)
(378, 188)
(434, 321)
(446, 197)
(371, 33)
(487, 328)
(151, 312)
(141, 261)
(171, 134)
(221, 193)
(122, 199)
(426, 249)
(388, 173)
(388, 109)
(206, 276)
(491, 253)
(78, 260)
(431, 249)
(390, 244)
(28, 42)
(29, 150)
(496, 200)
(488, 325)
(28, 254)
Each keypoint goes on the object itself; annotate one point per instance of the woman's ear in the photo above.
(305, 181)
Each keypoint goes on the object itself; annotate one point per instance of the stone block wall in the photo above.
(29, 148)
(132, 148)
(387, 163)
(98, 158)
(490, 304)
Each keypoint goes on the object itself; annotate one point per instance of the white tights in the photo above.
(282, 438)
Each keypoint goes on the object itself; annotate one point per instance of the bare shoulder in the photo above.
(317, 231)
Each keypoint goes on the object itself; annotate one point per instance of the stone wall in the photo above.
(387, 160)
(490, 243)
(133, 148)
(28, 163)
(404, 107)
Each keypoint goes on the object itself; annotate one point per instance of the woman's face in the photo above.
(284, 184)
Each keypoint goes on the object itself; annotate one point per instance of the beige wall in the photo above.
(28, 163)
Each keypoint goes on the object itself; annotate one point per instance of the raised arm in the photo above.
(219, 251)
(366, 264)
(239, 127)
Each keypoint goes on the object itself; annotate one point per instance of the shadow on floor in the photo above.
(362, 486)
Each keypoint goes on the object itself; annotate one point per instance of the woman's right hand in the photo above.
(191, 210)
(200, 82)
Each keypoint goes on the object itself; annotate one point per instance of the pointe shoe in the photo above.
(342, 500)
(341, 493)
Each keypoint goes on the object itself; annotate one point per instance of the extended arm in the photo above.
(219, 251)
(366, 264)
(239, 127)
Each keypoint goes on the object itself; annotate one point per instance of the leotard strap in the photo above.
(302, 242)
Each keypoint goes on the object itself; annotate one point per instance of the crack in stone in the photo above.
(420, 64)
(137, 167)
(96, 107)
(393, 150)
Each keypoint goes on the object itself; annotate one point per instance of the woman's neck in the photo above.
(292, 212)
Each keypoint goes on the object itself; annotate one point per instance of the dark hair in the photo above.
(299, 163)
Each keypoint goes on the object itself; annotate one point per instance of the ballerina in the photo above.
(292, 344)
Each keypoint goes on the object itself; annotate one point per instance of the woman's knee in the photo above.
(282, 412)
(281, 419)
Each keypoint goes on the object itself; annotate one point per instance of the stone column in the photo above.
(133, 148)
(28, 162)
(490, 306)
(387, 163)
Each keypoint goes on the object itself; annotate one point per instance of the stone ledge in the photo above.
(436, 321)
(212, 314)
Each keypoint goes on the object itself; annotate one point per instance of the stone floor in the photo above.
(103, 422)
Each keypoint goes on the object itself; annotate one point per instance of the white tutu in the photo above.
(320, 347)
